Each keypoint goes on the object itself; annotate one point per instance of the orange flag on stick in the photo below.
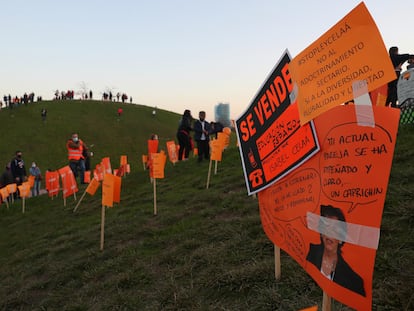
(68, 181)
(4, 192)
(12, 188)
(93, 186)
(124, 160)
(172, 151)
(91, 189)
(108, 190)
(98, 172)
(87, 177)
(216, 149)
(158, 164)
(24, 190)
(117, 189)
(52, 183)
(31, 180)
(106, 162)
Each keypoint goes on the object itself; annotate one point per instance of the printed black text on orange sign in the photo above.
(267, 105)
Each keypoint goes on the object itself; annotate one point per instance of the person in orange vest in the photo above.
(76, 155)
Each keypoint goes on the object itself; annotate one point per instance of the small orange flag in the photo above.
(158, 164)
(12, 188)
(4, 192)
(52, 183)
(216, 150)
(117, 189)
(172, 151)
(93, 186)
(108, 190)
(87, 177)
(106, 162)
(124, 160)
(31, 180)
(68, 181)
(24, 190)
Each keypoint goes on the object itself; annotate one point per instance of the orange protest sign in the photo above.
(152, 146)
(158, 164)
(24, 190)
(128, 168)
(99, 172)
(123, 160)
(333, 203)
(93, 186)
(351, 51)
(108, 190)
(271, 141)
(31, 180)
(195, 151)
(4, 192)
(87, 177)
(315, 308)
(106, 162)
(52, 183)
(216, 147)
(117, 189)
(12, 188)
(172, 151)
(68, 181)
(224, 137)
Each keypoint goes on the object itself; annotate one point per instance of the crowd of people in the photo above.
(202, 131)
(14, 101)
(11, 102)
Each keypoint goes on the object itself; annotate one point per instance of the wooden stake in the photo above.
(23, 204)
(80, 200)
(208, 175)
(278, 270)
(326, 302)
(155, 196)
(215, 167)
(102, 227)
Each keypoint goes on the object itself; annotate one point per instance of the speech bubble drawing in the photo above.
(350, 164)
(293, 196)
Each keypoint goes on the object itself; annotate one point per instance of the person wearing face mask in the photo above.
(35, 171)
(76, 156)
(18, 169)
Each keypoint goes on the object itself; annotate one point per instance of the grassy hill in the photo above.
(205, 250)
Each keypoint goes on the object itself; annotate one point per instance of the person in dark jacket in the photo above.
(7, 176)
(18, 170)
(183, 135)
(327, 256)
(202, 136)
(397, 61)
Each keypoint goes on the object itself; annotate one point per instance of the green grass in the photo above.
(205, 250)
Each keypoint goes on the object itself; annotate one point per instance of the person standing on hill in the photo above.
(183, 135)
(35, 171)
(397, 61)
(18, 169)
(202, 136)
(76, 156)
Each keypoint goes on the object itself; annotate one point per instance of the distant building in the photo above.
(222, 114)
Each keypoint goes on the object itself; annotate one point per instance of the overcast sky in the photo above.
(173, 54)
